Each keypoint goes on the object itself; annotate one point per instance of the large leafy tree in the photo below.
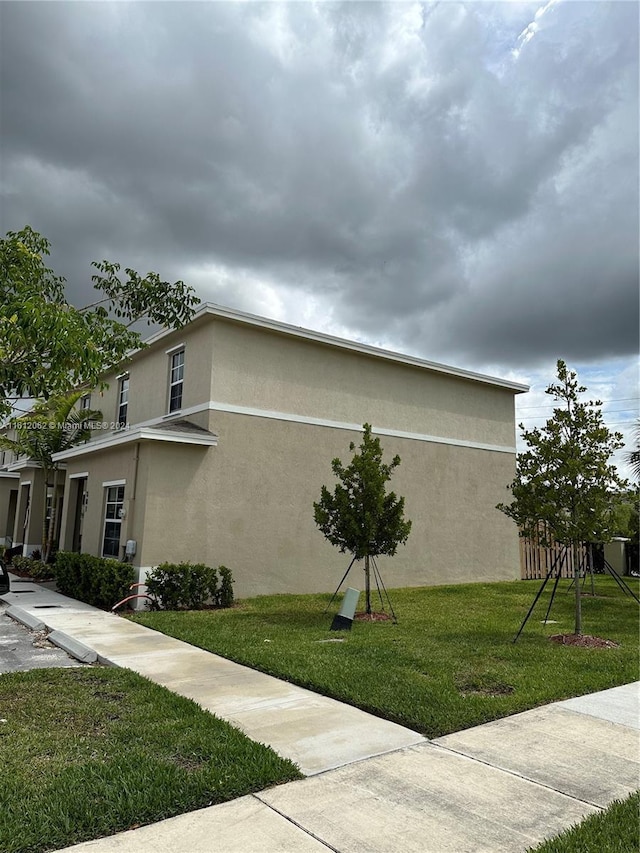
(47, 345)
(565, 482)
(50, 427)
(360, 516)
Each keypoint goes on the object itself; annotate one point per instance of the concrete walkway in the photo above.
(503, 786)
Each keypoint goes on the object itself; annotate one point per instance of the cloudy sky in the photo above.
(454, 180)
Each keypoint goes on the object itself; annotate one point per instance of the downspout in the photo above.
(134, 489)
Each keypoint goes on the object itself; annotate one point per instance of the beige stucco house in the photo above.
(217, 439)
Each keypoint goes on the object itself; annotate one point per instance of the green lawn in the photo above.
(616, 830)
(88, 752)
(448, 664)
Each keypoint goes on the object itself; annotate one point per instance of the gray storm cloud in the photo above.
(422, 174)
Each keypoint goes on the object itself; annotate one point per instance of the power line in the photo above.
(604, 403)
(608, 424)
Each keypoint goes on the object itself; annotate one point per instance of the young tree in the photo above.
(48, 346)
(51, 427)
(360, 516)
(565, 481)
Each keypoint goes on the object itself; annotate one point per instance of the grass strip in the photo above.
(615, 830)
(448, 664)
(89, 752)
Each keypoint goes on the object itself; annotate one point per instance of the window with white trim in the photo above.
(123, 399)
(176, 380)
(85, 401)
(113, 512)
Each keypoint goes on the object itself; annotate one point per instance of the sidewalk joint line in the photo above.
(519, 775)
(298, 825)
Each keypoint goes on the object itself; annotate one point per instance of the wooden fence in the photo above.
(536, 560)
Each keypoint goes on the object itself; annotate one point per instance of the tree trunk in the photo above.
(367, 583)
(576, 581)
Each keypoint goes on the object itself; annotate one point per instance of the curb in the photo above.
(27, 619)
(73, 647)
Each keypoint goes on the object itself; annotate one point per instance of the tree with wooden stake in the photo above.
(360, 516)
(565, 482)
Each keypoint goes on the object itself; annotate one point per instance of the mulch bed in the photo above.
(585, 641)
(22, 574)
(372, 617)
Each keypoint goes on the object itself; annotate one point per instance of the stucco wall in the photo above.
(262, 369)
(149, 378)
(106, 466)
(248, 504)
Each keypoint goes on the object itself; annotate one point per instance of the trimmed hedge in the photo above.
(36, 569)
(190, 586)
(94, 580)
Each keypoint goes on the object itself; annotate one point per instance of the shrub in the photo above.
(190, 586)
(95, 580)
(33, 567)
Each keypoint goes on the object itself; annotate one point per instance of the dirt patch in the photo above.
(21, 573)
(584, 641)
(372, 617)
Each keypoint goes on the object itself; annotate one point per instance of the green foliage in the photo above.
(50, 427)
(48, 345)
(360, 517)
(34, 568)
(625, 514)
(92, 751)
(95, 580)
(449, 663)
(615, 830)
(633, 457)
(564, 482)
(190, 586)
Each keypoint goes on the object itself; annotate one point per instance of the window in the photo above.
(113, 512)
(123, 400)
(85, 401)
(176, 380)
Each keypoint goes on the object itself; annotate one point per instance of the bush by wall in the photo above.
(95, 580)
(190, 586)
(32, 567)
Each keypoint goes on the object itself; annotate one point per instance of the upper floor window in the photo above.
(123, 399)
(176, 380)
(85, 401)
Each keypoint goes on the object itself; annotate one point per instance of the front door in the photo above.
(80, 503)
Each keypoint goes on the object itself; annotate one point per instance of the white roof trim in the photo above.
(209, 308)
(21, 464)
(140, 434)
(232, 408)
(7, 476)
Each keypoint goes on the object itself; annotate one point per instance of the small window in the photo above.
(85, 401)
(176, 381)
(123, 400)
(114, 506)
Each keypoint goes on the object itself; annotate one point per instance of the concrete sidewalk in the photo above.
(502, 786)
(316, 732)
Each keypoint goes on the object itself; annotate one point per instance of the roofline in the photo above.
(126, 436)
(211, 309)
